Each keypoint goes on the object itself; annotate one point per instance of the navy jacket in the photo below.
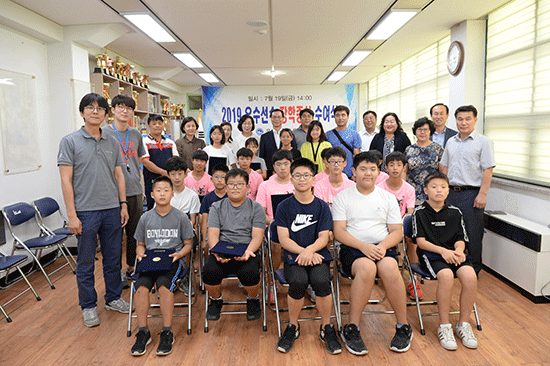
(268, 147)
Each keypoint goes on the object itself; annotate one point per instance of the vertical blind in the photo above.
(517, 92)
(410, 88)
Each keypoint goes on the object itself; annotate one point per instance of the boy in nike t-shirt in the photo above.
(303, 224)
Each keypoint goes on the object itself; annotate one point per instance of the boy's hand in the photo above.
(124, 217)
(460, 257)
(140, 256)
(373, 252)
(220, 258)
(176, 256)
(450, 256)
(75, 225)
(246, 256)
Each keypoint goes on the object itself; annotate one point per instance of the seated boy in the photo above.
(167, 228)
(185, 199)
(439, 231)
(236, 219)
(303, 224)
(337, 181)
(199, 181)
(244, 158)
(252, 144)
(396, 163)
(368, 223)
(382, 176)
(220, 192)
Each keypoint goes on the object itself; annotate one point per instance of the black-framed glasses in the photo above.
(336, 162)
(95, 109)
(236, 185)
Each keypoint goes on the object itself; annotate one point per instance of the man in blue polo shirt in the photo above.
(94, 192)
(345, 137)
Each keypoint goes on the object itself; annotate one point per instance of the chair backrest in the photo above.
(407, 226)
(19, 213)
(46, 206)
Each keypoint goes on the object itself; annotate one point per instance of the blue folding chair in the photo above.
(20, 213)
(416, 269)
(8, 262)
(46, 207)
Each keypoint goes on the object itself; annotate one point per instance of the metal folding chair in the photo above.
(21, 213)
(415, 269)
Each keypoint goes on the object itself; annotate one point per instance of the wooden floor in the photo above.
(51, 332)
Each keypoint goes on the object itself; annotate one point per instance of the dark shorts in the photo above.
(299, 277)
(161, 278)
(349, 255)
(213, 272)
(433, 266)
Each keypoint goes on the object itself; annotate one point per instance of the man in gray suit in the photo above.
(440, 113)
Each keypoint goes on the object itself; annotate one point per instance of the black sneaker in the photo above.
(253, 309)
(214, 309)
(401, 341)
(286, 341)
(328, 335)
(352, 339)
(143, 338)
(165, 344)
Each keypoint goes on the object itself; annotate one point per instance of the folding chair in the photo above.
(416, 269)
(186, 270)
(348, 276)
(20, 213)
(242, 302)
(278, 275)
(45, 207)
(8, 262)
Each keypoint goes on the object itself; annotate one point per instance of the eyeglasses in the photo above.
(124, 108)
(235, 185)
(95, 109)
(299, 176)
(336, 162)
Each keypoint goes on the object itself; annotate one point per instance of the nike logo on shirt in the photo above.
(301, 222)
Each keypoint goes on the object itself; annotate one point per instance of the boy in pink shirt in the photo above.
(382, 176)
(198, 180)
(327, 188)
(406, 197)
(244, 158)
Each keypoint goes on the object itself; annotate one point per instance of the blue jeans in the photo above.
(106, 224)
(473, 219)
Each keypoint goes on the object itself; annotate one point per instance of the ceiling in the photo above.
(305, 39)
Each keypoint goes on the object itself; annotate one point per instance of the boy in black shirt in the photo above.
(441, 236)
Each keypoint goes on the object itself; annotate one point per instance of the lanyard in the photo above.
(315, 151)
(124, 151)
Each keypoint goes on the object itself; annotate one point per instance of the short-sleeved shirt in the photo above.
(158, 152)
(164, 232)
(94, 162)
(405, 195)
(326, 191)
(367, 216)
(187, 201)
(240, 140)
(130, 157)
(300, 136)
(269, 188)
(422, 162)
(202, 186)
(381, 177)
(223, 152)
(254, 181)
(352, 138)
(467, 159)
(209, 200)
(312, 151)
(236, 223)
(186, 148)
(443, 228)
(303, 221)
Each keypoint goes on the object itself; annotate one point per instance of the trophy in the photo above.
(145, 81)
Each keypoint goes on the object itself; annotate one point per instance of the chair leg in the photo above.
(41, 268)
(190, 287)
(262, 272)
(28, 283)
(61, 247)
(129, 330)
(205, 310)
(336, 313)
(8, 319)
(477, 317)
(413, 280)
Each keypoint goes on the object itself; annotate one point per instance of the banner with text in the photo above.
(228, 104)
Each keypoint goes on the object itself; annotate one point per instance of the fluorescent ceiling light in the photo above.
(355, 58)
(391, 23)
(337, 75)
(272, 73)
(189, 60)
(209, 77)
(150, 26)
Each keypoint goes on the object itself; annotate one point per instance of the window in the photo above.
(410, 88)
(517, 94)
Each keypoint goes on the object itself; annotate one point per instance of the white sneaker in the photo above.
(119, 305)
(465, 332)
(446, 337)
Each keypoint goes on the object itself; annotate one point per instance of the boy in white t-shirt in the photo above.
(405, 194)
(244, 158)
(368, 223)
(326, 189)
